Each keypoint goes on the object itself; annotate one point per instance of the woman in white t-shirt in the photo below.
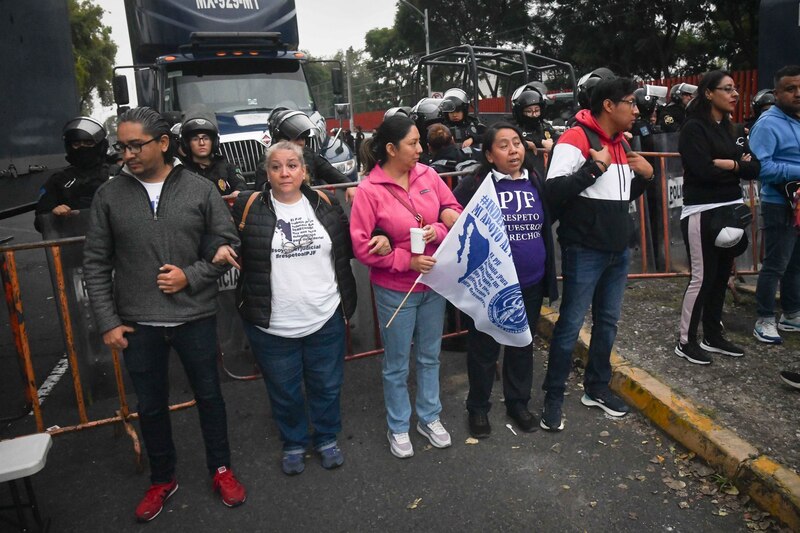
(294, 293)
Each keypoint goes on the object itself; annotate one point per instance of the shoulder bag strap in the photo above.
(404, 202)
(247, 209)
(324, 197)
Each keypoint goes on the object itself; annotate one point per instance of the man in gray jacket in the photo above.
(151, 290)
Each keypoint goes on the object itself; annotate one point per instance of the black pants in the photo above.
(482, 354)
(711, 268)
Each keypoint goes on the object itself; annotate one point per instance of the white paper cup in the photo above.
(417, 240)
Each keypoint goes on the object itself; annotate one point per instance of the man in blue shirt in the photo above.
(775, 141)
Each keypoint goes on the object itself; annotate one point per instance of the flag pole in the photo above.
(403, 302)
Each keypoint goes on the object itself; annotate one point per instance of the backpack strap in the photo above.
(247, 209)
(594, 139)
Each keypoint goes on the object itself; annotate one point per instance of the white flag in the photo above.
(475, 271)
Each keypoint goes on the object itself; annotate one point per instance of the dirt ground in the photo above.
(744, 394)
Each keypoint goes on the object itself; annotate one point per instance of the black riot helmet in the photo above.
(455, 99)
(392, 111)
(762, 99)
(587, 83)
(198, 124)
(290, 125)
(646, 103)
(426, 112)
(526, 96)
(85, 129)
(677, 90)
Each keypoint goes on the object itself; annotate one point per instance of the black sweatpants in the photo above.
(482, 354)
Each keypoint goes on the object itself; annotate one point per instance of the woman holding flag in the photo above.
(398, 194)
(520, 193)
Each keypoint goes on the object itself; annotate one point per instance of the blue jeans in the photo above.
(315, 362)
(147, 361)
(596, 278)
(781, 264)
(421, 319)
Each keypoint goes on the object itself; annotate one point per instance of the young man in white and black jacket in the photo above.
(591, 181)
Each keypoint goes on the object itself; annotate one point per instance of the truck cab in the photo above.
(240, 75)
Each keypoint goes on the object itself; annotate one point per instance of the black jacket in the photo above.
(225, 176)
(671, 117)
(538, 131)
(254, 291)
(700, 143)
(466, 190)
(72, 186)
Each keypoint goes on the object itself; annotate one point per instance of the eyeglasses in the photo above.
(201, 139)
(728, 89)
(631, 102)
(134, 147)
(291, 246)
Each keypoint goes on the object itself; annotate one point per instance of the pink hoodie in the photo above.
(375, 207)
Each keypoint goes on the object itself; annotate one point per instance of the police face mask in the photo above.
(84, 157)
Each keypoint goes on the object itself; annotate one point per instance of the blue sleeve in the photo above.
(764, 141)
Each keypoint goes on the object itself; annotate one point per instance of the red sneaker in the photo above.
(230, 490)
(154, 499)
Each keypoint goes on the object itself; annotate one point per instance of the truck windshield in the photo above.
(237, 86)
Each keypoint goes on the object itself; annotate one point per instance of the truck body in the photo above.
(778, 38)
(235, 58)
(38, 85)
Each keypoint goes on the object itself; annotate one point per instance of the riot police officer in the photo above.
(72, 188)
(763, 100)
(673, 114)
(527, 106)
(454, 109)
(200, 153)
(643, 129)
(645, 123)
(424, 114)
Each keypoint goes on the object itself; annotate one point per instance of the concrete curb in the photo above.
(772, 486)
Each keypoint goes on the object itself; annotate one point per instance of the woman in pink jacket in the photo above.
(397, 194)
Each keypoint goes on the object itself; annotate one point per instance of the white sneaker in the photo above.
(435, 432)
(789, 322)
(400, 445)
(765, 331)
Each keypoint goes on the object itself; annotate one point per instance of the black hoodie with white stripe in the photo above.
(592, 205)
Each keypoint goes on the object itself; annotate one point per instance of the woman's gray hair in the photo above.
(290, 146)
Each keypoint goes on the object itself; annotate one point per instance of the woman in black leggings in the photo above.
(713, 163)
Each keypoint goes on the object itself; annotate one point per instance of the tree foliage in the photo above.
(94, 53)
(639, 39)
(648, 39)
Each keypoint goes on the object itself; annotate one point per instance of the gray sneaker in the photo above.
(789, 322)
(400, 445)
(435, 432)
(766, 331)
